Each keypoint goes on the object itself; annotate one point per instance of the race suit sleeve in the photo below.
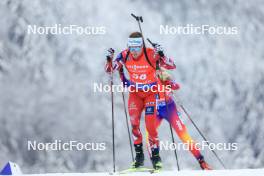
(167, 63)
(173, 84)
(117, 64)
(125, 81)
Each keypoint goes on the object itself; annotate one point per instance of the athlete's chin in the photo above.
(136, 56)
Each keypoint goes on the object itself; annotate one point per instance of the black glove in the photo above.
(110, 54)
(159, 50)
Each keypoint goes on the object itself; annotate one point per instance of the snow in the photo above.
(238, 172)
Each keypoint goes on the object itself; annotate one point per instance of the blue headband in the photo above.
(134, 42)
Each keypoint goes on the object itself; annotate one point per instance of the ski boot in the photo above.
(156, 160)
(139, 159)
(203, 164)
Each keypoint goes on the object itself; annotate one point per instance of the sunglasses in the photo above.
(135, 48)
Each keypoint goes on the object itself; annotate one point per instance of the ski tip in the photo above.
(155, 171)
(134, 170)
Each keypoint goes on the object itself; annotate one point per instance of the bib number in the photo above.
(140, 76)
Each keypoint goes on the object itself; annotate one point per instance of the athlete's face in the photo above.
(136, 51)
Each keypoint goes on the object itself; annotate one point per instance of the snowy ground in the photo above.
(240, 172)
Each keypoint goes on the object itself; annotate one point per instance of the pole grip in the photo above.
(134, 16)
(138, 18)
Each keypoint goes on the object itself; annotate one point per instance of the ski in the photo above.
(153, 171)
(141, 169)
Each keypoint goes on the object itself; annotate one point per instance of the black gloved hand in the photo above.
(110, 54)
(159, 50)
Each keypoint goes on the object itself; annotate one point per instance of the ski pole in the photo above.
(199, 131)
(112, 109)
(204, 138)
(167, 109)
(139, 19)
(172, 136)
(128, 131)
(113, 122)
(171, 131)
